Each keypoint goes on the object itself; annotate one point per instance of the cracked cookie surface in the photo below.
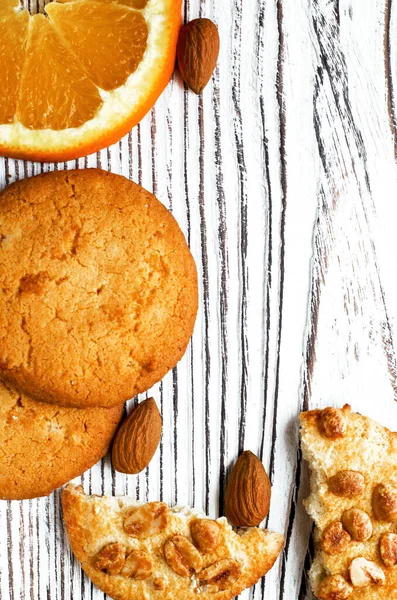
(98, 289)
(43, 446)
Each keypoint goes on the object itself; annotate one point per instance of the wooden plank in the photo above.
(350, 353)
(299, 118)
(204, 159)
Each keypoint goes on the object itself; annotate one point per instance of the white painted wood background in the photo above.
(283, 177)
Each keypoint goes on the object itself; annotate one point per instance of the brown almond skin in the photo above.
(247, 499)
(197, 53)
(137, 439)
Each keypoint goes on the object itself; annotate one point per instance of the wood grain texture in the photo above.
(350, 354)
(297, 129)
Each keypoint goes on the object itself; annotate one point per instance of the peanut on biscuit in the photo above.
(353, 502)
(161, 553)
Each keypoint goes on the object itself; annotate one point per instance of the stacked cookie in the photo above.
(98, 299)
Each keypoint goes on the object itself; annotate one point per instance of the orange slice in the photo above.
(81, 76)
(14, 29)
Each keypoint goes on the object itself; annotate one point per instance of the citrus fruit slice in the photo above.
(80, 76)
(14, 29)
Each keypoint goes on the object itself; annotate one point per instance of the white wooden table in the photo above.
(283, 177)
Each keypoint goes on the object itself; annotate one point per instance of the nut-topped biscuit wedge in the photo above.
(353, 501)
(153, 551)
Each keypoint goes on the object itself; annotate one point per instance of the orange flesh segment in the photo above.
(14, 31)
(108, 39)
(138, 4)
(55, 92)
(7, 5)
(133, 3)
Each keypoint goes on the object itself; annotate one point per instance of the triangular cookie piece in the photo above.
(153, 551)
(353, 501)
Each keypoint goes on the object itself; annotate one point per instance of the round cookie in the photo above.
(43, 446)
(98, 288)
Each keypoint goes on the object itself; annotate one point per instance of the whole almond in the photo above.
(247, 499)
(137, 439)
(197, 52)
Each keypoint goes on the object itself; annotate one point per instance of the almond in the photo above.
(247, 499)
(197, 52)
(137, 439)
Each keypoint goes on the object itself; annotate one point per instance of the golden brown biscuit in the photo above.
(43, 446)
(98, 288)
(353, 502)
(155, 552)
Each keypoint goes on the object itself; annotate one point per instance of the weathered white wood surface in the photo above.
(297, 129)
